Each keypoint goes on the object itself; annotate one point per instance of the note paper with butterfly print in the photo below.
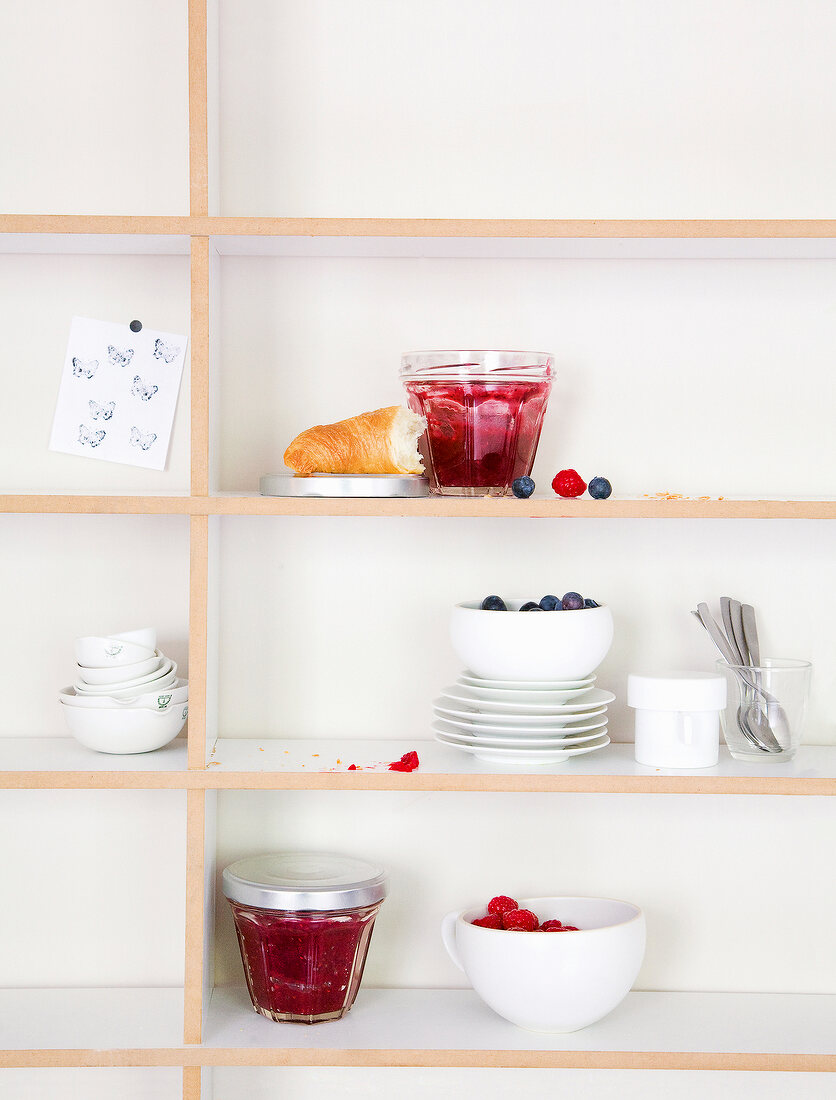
(118, 393)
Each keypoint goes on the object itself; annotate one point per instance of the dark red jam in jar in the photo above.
(304, 922)
(484, 412)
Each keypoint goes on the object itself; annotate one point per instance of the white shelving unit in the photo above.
(204, 514)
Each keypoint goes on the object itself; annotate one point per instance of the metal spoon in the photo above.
(732, 658)
(767, 713)
(761, 715)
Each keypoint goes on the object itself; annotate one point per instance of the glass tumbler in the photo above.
(771, 696)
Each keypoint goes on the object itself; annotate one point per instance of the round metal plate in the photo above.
(344, 485)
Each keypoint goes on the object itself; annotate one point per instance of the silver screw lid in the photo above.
(310, 881)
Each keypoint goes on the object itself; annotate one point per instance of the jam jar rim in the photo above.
(242, 883)
(473, 367)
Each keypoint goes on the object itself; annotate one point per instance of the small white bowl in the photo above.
(94, 652)
(552, 981)
(529, 645)
(119, 674)
(161, 699)
(164, 678)
(125, 730)
(146, 636)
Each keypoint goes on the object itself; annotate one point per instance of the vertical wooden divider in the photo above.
(198, 110)
(198, 542)
(191, 1083)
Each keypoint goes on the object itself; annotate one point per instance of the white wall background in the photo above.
(39, 296)
(97, 118)
(464, 109)
(731, 889)
(479, 108)
(697, 377)
(73, 576)
(94, 888)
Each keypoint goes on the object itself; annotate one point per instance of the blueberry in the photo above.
(531, 606)
(599, 488)
(551, 603)
(572, 601)
(523, 487)
(590, 603)
(493, 603)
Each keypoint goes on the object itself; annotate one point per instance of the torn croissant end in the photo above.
(381, 442)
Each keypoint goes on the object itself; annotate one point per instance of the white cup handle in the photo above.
(448, 936)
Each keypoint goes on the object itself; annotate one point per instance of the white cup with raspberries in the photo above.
(552, 964)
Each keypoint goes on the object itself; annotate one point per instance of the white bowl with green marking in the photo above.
(125, 730)
(158, 700)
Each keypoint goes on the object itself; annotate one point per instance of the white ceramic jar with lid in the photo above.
(677, 718)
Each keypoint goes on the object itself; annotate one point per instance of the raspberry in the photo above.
(568, 483)
(492, 920)
(407, 763)
(501, 904)
(520, 920)
(570, 928)
(551, 926)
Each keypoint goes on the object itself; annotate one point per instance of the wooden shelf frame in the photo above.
(194, 232)
(200, 224)
(248, 504)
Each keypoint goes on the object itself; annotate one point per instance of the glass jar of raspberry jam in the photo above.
(304, 921)
(484, 412)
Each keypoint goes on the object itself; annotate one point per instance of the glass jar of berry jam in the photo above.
(484, 412)
(304, 921)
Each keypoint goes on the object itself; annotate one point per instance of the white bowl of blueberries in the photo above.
(555, 638)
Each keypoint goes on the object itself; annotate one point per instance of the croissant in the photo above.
(379, 442)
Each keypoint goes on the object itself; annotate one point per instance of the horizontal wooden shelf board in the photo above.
(253, 504)
(307, 764)
(418, 1027)
(100, 504)
(454, 1021)
(99, 1019)
(312, 764)
(206, 225)
(61, 762)
(544, 507)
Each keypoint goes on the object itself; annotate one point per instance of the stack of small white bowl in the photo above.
(126, 697)
(528, 695)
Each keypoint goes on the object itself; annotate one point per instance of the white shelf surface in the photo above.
(230, 754)
(455, 247)
(90, 1019)
(65, 754)
(96, 244)
(456, 1019)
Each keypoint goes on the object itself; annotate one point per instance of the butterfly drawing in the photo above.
(142, 390)
(101, 412)
(119, 358)
(87, 435)
(165, 351)
(85, 368)
(142, 439)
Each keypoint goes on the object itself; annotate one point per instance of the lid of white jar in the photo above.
(676, 691)
(314, 881)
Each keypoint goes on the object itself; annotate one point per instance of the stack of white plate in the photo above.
(517, 723)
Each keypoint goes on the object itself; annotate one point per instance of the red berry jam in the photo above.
(484, 413)
(304, 921)
(303, 967)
